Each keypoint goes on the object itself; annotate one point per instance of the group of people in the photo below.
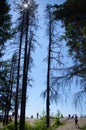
(75, 119)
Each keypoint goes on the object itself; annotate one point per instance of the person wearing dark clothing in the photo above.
(37, 115)
(76, 121)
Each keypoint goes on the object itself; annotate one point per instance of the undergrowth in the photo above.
(39, 124)
(84, 127)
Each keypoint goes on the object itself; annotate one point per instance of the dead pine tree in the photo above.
(53, 59)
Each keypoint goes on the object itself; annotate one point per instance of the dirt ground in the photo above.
(70, 124)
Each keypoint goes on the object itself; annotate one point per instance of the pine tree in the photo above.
(53, 60)
(26, 26)
(30, 14)
(5, 22)
(72, 14)
(5, 26)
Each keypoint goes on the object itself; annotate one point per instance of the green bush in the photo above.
(40, 125)
(9, 127)
(4, 128)
(57, 122)
(84, 127)
(28, 126)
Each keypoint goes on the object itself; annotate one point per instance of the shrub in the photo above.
(57, 122)
(40, 125)
(84, 127)
(28, 127)
(4, 128)
(9, 127)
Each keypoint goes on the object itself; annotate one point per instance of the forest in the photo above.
(16, 69)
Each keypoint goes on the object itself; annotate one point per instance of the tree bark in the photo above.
(48, 74)
(18, 73)
(24, 85)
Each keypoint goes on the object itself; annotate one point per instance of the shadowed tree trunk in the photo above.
(10, 92)
(18, 74)
(24, 85)
(53, 60)
(48, 73)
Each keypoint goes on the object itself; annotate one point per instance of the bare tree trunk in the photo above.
(24, 85)
(18, 73)
(48, 74)
(29, 51)
(9, 95)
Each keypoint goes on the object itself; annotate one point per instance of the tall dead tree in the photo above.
(53, 60)
(48, 70)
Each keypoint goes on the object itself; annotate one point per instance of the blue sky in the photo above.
(35, 103)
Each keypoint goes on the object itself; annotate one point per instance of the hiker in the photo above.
(37, 115)
(69, 116)
(76, 121)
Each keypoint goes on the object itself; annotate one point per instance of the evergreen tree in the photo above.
(25, 29)
(5, 27)
(7, 89)
(72, 13)
(30, 14)
(20, 33)
(5, 22)
(5, 35)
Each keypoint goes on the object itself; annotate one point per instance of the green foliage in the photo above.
(40, 125)
(5, 35)
(72, 14)
(84, 127)
(57, 122)
(4, 128)
(43, 114)
(9, 127)
(5, 22)
(62, 116)
(59, 114)
(7, 81)
(28, 127)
